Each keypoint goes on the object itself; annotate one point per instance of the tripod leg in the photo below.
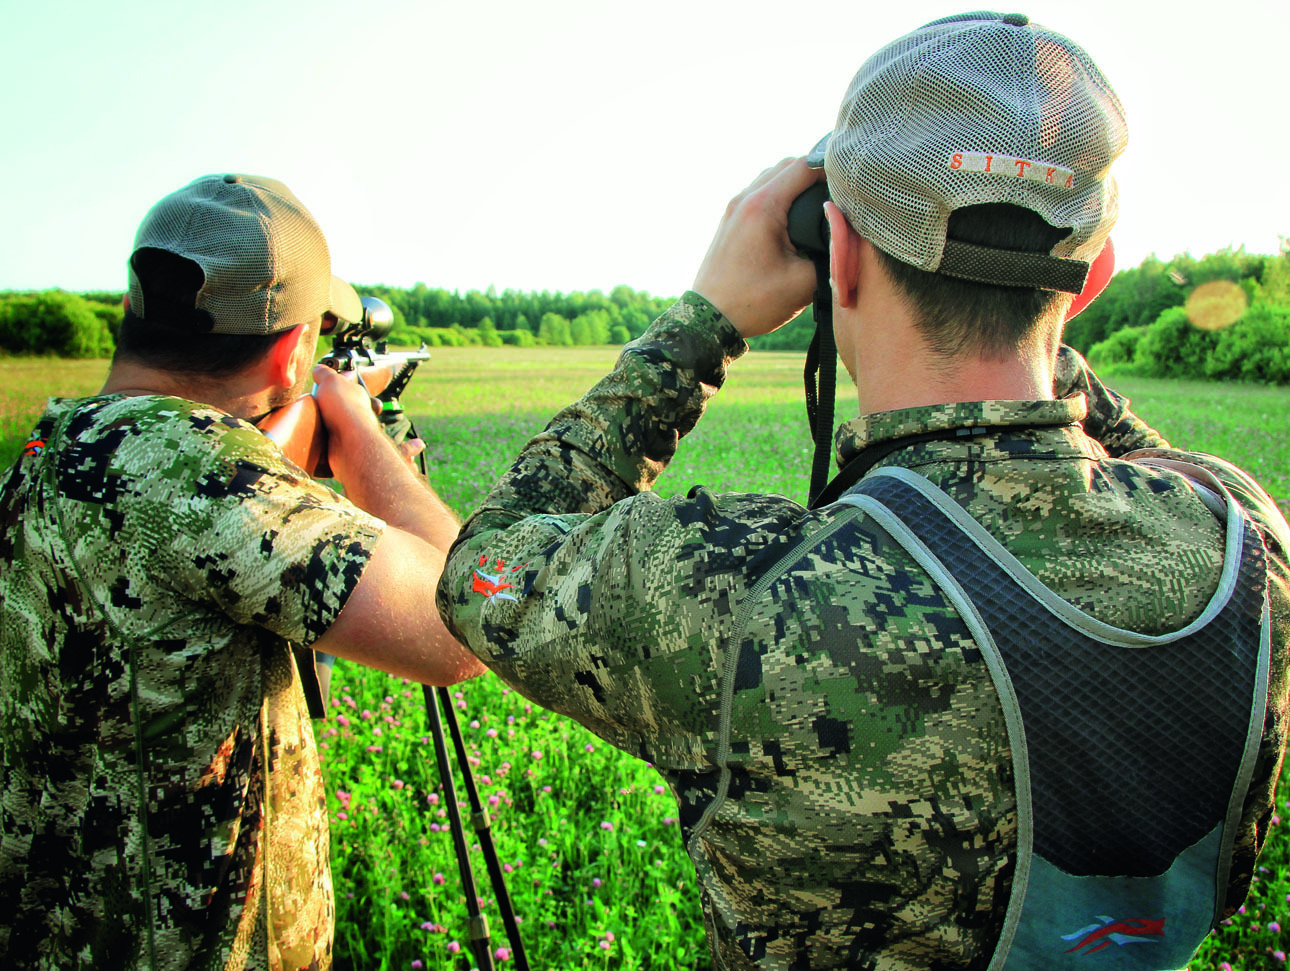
(484, 831)
(479, 940)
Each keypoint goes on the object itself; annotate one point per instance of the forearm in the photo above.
(389, 621)
(379, 480)
(617, 439)
(375, 474)
(1109, 421)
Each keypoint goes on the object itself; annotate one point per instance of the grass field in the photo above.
(588, 836)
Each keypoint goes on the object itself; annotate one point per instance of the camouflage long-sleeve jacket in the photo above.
(850, 809)
(161, 800)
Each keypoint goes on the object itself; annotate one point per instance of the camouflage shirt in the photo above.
(161, 801)
(842, 809)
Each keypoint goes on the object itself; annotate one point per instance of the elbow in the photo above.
(466, 667)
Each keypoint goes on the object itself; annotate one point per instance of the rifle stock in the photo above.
(298, 430)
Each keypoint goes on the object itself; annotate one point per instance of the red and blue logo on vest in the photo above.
(1132, 930)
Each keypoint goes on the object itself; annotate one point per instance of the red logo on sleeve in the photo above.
(491, 585)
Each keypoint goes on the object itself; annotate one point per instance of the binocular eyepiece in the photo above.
(808, 228)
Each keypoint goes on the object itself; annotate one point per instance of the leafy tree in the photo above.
(591, 327)
(488, 335)
(554, 330)
(1274, 284)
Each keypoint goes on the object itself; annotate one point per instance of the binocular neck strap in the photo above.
(821, 367)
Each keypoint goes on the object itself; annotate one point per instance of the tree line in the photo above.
(442, 317)
(1221, 316)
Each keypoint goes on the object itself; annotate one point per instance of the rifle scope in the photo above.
(377, 322)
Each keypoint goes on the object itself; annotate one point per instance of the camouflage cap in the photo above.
(265, 260)
(972, 109)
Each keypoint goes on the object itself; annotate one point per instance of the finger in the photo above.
(792, 178)
(411, 447)
(766, 176)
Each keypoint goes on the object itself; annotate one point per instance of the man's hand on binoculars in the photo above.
(752, 273)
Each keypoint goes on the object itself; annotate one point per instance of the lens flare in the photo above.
(1215, 305)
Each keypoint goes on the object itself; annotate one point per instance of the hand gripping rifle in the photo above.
(298, 427)
(300, 433)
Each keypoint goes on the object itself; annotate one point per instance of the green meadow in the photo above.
(588, 836)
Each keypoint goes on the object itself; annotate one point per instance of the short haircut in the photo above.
(956, 315)
(175, 335)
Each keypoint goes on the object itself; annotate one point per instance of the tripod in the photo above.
(439, 710)
(437, 698)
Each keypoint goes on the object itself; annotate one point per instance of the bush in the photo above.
(111, 314)
(1173, 348)
(1255, 348)
(465, 338)
(1117, 352)
(793, 336)
(518, 338)
(53, 323)
(404, 337)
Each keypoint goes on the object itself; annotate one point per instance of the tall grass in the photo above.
(588, 835)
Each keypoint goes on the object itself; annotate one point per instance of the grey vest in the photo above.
(1132, 754)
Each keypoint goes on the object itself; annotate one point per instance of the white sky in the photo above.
(561, 145)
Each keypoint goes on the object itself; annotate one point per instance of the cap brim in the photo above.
(815, 157)
(344, 301)
(1099, 275)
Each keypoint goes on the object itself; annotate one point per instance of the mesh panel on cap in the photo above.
(265, 259)
(1021, 108)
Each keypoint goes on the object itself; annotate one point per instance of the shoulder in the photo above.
(1251, 496)
(165, 445)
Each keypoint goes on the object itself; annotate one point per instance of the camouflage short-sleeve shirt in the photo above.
(843, 806)
(161, 801)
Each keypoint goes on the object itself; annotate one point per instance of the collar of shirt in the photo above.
(1035, 428)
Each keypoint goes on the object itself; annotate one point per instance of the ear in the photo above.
(283, 359)
(844, 256)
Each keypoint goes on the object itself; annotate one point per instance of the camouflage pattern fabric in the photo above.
(850, 806)
(161, 801)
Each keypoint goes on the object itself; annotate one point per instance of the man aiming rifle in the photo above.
(163, 569)
(1013, 690)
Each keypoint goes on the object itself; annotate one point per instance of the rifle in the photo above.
(298, 430)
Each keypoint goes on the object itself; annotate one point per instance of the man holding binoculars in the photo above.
(1016, 691)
